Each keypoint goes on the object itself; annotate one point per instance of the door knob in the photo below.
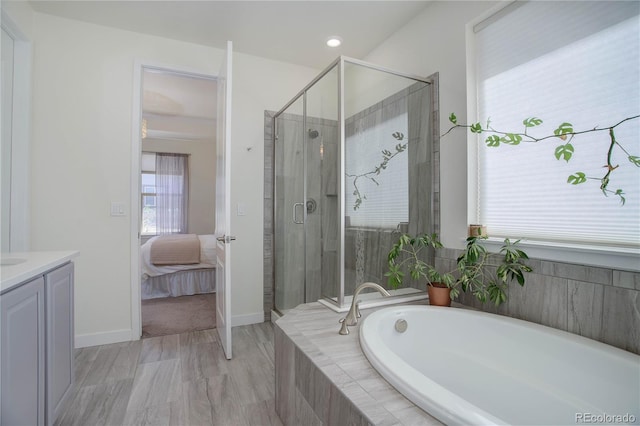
(226, 238)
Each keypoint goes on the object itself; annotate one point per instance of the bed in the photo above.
(170, 268)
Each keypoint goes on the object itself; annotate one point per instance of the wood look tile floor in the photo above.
(181, 379)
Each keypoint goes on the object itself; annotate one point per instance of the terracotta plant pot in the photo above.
(439, 294)
(477, 231)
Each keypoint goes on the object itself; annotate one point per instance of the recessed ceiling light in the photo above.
(334, 41)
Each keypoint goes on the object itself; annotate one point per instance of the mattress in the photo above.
(207, 258)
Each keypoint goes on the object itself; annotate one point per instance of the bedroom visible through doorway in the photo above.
(177, 202)
(175, 315)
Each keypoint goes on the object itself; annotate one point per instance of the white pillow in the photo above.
(208, 249)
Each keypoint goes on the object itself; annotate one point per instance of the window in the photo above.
(164, 196)
(573, 62)
(385, 199)
(149, 200)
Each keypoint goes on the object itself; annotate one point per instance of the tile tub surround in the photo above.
(595, 302)
(324, 378)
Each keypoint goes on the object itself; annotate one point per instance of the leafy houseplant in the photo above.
(477, 274)
(406, 254)
(474, 273)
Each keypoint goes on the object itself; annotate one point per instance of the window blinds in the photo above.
(576, 62)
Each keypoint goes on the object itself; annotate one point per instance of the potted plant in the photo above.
(487, 276)
(478, 272)
(406, 254)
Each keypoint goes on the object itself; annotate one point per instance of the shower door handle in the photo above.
(295, 215)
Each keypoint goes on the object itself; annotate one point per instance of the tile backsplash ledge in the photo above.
(595, 302)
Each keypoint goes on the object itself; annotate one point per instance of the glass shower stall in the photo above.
(355, 164)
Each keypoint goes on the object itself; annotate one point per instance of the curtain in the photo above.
(172, 193)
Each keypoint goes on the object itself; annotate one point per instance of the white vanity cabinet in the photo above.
(36, 348)
(58, 290)
(22, 355)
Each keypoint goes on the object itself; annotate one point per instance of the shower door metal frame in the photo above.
(305, 165)
(340, 64)
(341, 170)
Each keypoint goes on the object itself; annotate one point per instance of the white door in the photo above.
(223, 205)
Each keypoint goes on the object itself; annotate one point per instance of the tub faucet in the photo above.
(354, 311)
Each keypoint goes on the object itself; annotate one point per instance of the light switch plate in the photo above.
(117, 209)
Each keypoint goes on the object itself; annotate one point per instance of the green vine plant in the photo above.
(566, 133)
(370, 175)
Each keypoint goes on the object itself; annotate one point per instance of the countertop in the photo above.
(34, 263)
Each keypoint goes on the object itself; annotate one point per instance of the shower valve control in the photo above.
(312, 205)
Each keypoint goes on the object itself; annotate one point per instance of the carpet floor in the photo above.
(175, 315)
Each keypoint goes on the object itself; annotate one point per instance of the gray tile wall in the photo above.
(599, 303)
(267, 274)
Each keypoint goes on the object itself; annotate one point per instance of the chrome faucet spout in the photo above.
(354, 311)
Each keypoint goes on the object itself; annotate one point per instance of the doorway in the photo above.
(176, 201)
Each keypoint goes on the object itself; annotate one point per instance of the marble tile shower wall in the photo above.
(307, 253)
(595, 302)
(366, 257)
(268, 223)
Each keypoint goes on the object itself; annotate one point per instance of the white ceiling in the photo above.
(289, 31)
(178, 107)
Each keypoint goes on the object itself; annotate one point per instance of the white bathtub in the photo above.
(468, 367)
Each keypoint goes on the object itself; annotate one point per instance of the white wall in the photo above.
(82, 120)
(81, 154)
(258, 84)
(434, 41)
(21, 14)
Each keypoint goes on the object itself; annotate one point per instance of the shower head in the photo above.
(313, 133)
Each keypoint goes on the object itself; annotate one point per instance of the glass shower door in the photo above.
(289, 208)
(307, 234)
(322, 221)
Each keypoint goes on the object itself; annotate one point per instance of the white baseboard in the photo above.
(237, 320)
(104, 338)
(117, 336)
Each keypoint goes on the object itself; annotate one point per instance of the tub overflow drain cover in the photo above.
(401, 326)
